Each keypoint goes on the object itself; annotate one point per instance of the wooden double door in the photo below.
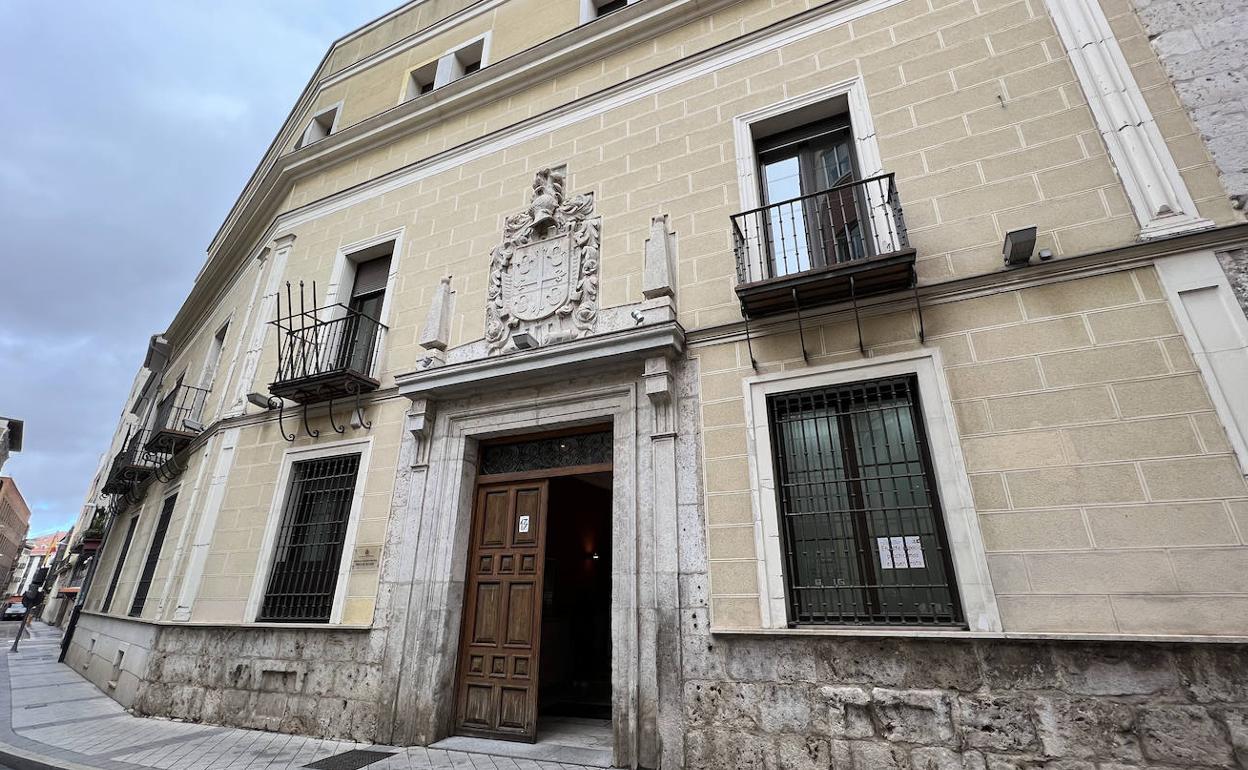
(499, 652)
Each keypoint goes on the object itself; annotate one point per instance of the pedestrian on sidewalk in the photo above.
(32, 600)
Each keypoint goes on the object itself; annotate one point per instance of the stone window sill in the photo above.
(955, 633)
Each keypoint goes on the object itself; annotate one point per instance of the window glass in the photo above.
(310, 538)
(861, 522)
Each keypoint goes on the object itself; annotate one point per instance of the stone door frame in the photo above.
(423, 627)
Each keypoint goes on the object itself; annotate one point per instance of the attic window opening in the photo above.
(467, 60)
(596, 9)
(421, 80)
(321, 126)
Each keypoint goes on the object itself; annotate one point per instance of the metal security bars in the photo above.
(860, 520)
(121, 562)
(842, 224)
(309, 541)
(153, 557)
(547, 452)
(324, 352)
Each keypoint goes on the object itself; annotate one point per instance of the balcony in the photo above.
(133, 465)
(836, 245)
(178, 418)
(326, 353)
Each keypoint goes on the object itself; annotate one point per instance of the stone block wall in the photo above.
(302, 681)
(1202, 45)
(884, 704)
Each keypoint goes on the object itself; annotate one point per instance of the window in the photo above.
(467, 60)
(860, 520)
(450, 67)
(213, 361)
(813, 216)
(309, 542)
(421, 80)
(596, 9)
(368, 298)
(153, 557)
(321, 126)
(121, 562)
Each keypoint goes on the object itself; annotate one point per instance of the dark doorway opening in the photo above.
(575, 679)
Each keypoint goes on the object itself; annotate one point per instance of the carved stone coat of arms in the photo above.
(544, 275)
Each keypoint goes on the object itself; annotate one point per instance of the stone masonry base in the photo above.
(801, 704)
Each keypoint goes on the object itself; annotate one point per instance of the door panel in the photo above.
(499, 649)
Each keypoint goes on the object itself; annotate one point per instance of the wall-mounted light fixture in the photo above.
(524, 340)
(1018, 246)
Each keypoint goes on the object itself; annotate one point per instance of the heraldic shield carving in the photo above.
(544, 275)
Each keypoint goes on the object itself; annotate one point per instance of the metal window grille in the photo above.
(153, 556)
(546, 453)
(121, 562)
(309, 542)
(860, 519)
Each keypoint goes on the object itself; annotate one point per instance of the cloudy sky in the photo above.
(129, 128)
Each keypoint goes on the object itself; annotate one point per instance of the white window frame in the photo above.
(450, 68)
(310, 135)
(208, 374)
(343, 278)
(966, 545)
(1224, 364)
(866, 148)
(589, 9)
(264, 565)
(411, 85)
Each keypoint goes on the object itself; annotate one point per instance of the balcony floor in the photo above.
(828, 284)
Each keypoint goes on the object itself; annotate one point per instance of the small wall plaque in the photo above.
(366, 557)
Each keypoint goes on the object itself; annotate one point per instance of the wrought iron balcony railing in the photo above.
(133, 464)
(325, 352)
(828, 246)
(178, 419)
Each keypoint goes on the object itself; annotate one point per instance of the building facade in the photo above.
(11, 432)
(14, 523)
(39, 554)
(658, 362)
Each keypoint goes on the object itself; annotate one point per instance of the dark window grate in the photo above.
(309, 540)
(121, 562)
(860, 518)
(350, 760)
(153, 557)
(546, 453)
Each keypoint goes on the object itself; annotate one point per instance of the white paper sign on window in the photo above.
(524, 524)
(901, 552)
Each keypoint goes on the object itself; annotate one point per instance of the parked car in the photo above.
(14, 611)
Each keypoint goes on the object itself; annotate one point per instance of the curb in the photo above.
(20, 759)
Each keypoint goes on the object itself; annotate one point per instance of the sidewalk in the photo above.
(50, 717)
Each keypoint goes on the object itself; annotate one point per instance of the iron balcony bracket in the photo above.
(354, 388)
(308, 428)
(749, 343)
(801, 333)
(853, 295)
(332, 424)
(281, 411)
(918, 306)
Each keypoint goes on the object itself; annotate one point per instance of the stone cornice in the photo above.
(1092, 263)
(547, 363)
(255, 208)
